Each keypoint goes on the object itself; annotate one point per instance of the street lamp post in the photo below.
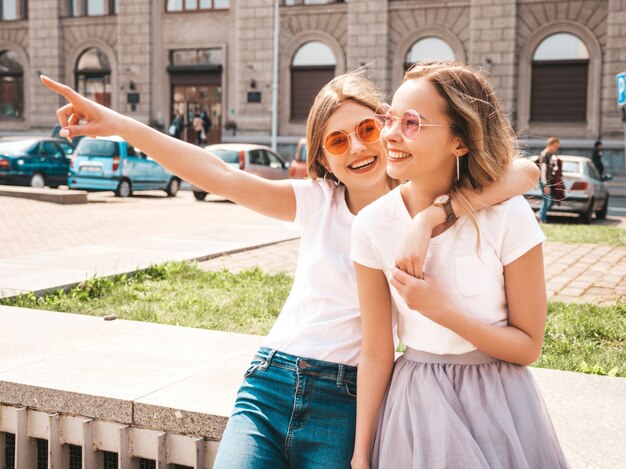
(275, 74)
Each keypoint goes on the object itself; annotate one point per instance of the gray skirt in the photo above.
(463, 411)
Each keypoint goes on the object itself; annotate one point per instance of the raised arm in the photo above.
(376, 359)
(521, 340)
(519, 177)
(193, 164)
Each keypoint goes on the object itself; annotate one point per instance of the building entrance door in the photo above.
(204, 100)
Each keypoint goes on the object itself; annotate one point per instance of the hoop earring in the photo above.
(457, 168)
(333, 181)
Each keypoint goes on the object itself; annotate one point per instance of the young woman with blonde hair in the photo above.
(474, 317)
(297, 404)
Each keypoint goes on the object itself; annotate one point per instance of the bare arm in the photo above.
(376, 359)
(519, 177)
(193, 164)
(519, 342)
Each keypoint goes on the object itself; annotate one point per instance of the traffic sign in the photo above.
(621, 89)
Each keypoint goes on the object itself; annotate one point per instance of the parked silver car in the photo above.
(255, 159)
(585, 191)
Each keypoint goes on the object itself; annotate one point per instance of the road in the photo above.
(617, 206)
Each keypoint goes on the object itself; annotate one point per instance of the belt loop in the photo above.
(268, 360)
(340, 374)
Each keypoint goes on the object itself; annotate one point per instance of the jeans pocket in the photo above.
(350, 389)
(255, 365)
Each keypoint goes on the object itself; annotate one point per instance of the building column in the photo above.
(368, 39)
(44, 50)
(614, 63)
(493, 27)
(254, 56)
(134, 48)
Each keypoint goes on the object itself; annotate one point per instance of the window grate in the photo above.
(147, 463)
(76, 456)
(110, 460)
(42, 454)
(9, 451)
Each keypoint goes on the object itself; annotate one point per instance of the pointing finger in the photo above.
(65, 91)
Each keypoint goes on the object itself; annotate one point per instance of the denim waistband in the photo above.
(475, 357)
(309, 366)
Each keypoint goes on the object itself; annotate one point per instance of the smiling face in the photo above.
(431, 154)
(362, 166)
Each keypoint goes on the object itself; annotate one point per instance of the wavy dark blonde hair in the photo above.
(350, 87)
(477, 119)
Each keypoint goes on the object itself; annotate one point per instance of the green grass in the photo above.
(592, 234)
(584, 338)
(176, 293)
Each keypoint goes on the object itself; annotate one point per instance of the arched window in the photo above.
(312, 67)
(428, 48)
(11, 86)
(560, 70)
(93, 76)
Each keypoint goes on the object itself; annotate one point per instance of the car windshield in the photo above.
(93, 147)
(16, 147)
(570, 167)
(228, 156)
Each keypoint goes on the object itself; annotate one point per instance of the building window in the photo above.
(13, 10)
(428, 48)
(11, 86)
(42, 454)
(9, 451)
(91, 7)
(560, 70)
(109, 459)
(312, 67)
(93, 76)
(194, 5)
(289, 3)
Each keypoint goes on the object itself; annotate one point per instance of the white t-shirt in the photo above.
(475, 285)
(321, 317)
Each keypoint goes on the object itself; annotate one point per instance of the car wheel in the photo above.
(37, 180)
(173, 187)
(585, 217)
(601, 214)
(124, 189)
(199, 195)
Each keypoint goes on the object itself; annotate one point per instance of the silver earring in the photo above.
(457, 168)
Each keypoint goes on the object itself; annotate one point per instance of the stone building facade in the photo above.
(150, 58)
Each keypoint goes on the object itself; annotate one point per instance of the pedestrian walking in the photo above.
(474, 317)
(198, 127)
(547, 164)
(596, 157)
(176, 127)
(297, 404)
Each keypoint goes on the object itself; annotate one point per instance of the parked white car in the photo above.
(255, 159)
(585, 190)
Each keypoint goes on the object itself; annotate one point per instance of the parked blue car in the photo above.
(112, 164)
(35, 162)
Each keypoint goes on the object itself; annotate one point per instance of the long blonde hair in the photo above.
(477, 119)
(350, 87)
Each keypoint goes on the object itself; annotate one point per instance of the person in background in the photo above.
(547, 164)
(198, 127)
(596, 157)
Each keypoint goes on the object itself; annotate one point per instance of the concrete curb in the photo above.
(63, 197)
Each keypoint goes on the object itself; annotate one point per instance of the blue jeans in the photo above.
(291, 412)
(547, 201)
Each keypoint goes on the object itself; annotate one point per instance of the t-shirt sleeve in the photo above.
(521, 232)
(362, 249)
(309, 200)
